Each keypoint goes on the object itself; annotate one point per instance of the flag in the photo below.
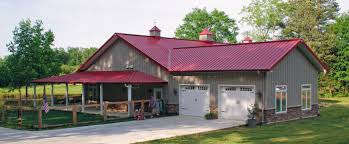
(45, 103)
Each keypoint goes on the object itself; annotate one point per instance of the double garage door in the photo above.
(233, 101)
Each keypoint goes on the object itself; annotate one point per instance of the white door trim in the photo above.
(179, 93)
(219, 95)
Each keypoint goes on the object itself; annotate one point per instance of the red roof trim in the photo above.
(171, 38)
(294, 47)
(228, 44)
(95, 55)
(155, 28)
(141, 52)
(322, 63)
(129, 76)
(206, 31)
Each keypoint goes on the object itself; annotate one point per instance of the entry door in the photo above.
(235, 100)
(194, 100)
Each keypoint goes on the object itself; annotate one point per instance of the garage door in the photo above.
(194, 100)
(235, 100)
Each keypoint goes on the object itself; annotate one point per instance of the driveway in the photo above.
(124, 132)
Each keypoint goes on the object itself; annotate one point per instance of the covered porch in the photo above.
(111, 93)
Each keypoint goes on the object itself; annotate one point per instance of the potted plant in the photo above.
(253, 111)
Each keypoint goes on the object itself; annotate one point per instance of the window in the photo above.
(281, 98)
(245, 89)
(306, 96)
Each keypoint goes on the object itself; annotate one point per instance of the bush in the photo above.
(211, 115)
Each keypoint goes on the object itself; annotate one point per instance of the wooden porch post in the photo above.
(34, 95)
(52, 100)
(129, 99)
(83, 98)
(66, 96)
(101, 98)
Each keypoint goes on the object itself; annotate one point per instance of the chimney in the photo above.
(206, 35)
(155, 31)
(247, 40)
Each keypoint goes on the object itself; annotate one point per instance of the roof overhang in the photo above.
(120, 77)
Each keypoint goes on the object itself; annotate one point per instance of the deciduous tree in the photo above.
(222, 26)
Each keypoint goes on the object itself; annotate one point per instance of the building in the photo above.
(194, 77)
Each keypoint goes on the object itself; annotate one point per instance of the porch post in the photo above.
(66, 96)
(34, 95)
(101, 98)
(52, 100)
(129, 99)
(83, 98)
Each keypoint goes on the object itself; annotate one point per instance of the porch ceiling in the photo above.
(124, 77)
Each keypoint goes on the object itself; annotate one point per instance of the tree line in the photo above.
(32, 56)
(318, 23)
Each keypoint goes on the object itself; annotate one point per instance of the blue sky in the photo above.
(89, 23)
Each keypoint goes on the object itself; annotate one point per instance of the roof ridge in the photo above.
(168, 38)
(232, 44)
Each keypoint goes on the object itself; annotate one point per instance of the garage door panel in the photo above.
(194, 100)
(235, 100)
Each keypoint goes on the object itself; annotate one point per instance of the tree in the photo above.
(3, 73)
(341, 66)
(309, 20)
(223, 27)
(31, 54)
(266, 17)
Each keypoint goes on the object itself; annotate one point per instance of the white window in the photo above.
(280, 98)
(306, 96)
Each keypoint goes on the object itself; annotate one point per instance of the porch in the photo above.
(110, 93)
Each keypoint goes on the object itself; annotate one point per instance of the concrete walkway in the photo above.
(124, 132)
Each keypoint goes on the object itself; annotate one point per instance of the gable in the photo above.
(120, 55)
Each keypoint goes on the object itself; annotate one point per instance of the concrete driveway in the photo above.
(124, 132)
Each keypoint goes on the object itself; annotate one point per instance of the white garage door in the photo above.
(234, 101)
(194, 100)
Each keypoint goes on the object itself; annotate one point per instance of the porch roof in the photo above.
(126, 77)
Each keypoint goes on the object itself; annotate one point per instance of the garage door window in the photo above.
(281, 98)
(306, 96)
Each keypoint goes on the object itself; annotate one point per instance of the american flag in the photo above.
(45, 103)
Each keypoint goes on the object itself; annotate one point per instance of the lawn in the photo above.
(331, 127)
(58, 89)
(55, 119)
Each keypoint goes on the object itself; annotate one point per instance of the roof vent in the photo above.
(206, 35)
(155, 31)
(247, 40)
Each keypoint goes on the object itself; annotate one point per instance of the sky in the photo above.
(89, 23)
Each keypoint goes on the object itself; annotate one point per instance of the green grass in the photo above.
(58, 89)
(54, 119)
(331, 127)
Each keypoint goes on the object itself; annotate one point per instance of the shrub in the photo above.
(211, 115)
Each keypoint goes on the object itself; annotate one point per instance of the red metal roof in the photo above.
(235, 57)
(157, 49)
(179, 55)
(127, 77)
(155, 28)
(206, 31)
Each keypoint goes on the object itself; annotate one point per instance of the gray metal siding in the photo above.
(121, 54)
(214, 79)
(293, 71)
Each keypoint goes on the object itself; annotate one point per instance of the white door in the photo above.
(235, 100)
(194, 100)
